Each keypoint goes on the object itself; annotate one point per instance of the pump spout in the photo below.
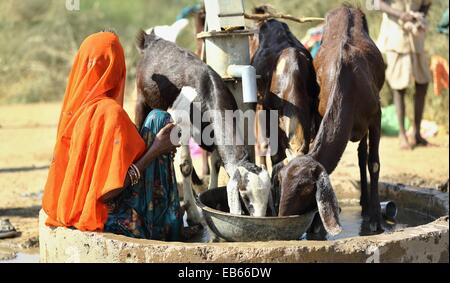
(248, 75)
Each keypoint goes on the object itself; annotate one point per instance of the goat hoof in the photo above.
(191, 231)
(375, 227)
(316, 229)
(193, 223)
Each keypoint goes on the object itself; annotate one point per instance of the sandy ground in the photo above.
(27, 134)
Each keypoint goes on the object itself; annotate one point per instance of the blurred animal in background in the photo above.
(169, 33)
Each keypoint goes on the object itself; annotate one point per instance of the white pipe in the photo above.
(248, 75)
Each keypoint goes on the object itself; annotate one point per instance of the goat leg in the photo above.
(216, 162)
(362, 160)
(374, 171)
(192, 210)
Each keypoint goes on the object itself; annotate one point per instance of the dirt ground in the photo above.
(27, 135)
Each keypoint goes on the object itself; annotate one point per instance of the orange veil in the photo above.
(96, 140)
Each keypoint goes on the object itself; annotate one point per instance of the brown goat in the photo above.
(350, 71)
(288, 84)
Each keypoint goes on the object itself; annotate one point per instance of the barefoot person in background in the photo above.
(105, 174)
(402, 39)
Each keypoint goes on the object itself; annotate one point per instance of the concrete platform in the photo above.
(425, 243)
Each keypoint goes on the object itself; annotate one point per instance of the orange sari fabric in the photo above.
(96, 140)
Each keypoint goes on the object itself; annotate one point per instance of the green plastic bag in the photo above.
(443, 24)
(389, 122)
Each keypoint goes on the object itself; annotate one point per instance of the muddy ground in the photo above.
(27, 134)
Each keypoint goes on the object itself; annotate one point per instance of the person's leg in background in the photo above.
(398, 75)
(419, 105)
(422, 75)
(399, 101)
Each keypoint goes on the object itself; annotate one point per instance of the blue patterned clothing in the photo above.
(150, 209)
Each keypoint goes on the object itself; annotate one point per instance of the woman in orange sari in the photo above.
(100, 160)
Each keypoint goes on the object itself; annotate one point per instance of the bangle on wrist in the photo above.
(134, 174)
(137, 170)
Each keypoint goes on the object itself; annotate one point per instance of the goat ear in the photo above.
(140, 41)
(327, 204)
(289, 155)
(272, 204)
(276, 187)
(233, 194)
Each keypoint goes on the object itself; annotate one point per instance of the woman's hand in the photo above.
(162, 143)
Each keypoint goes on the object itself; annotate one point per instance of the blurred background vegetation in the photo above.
(39, 39)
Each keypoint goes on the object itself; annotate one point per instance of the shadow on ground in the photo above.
(23, 169)
(30, 211)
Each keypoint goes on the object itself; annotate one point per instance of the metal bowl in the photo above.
(241, 228)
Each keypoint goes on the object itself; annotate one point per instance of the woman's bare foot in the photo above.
(404, 143)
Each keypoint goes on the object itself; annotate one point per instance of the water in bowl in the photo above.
(352, 225)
